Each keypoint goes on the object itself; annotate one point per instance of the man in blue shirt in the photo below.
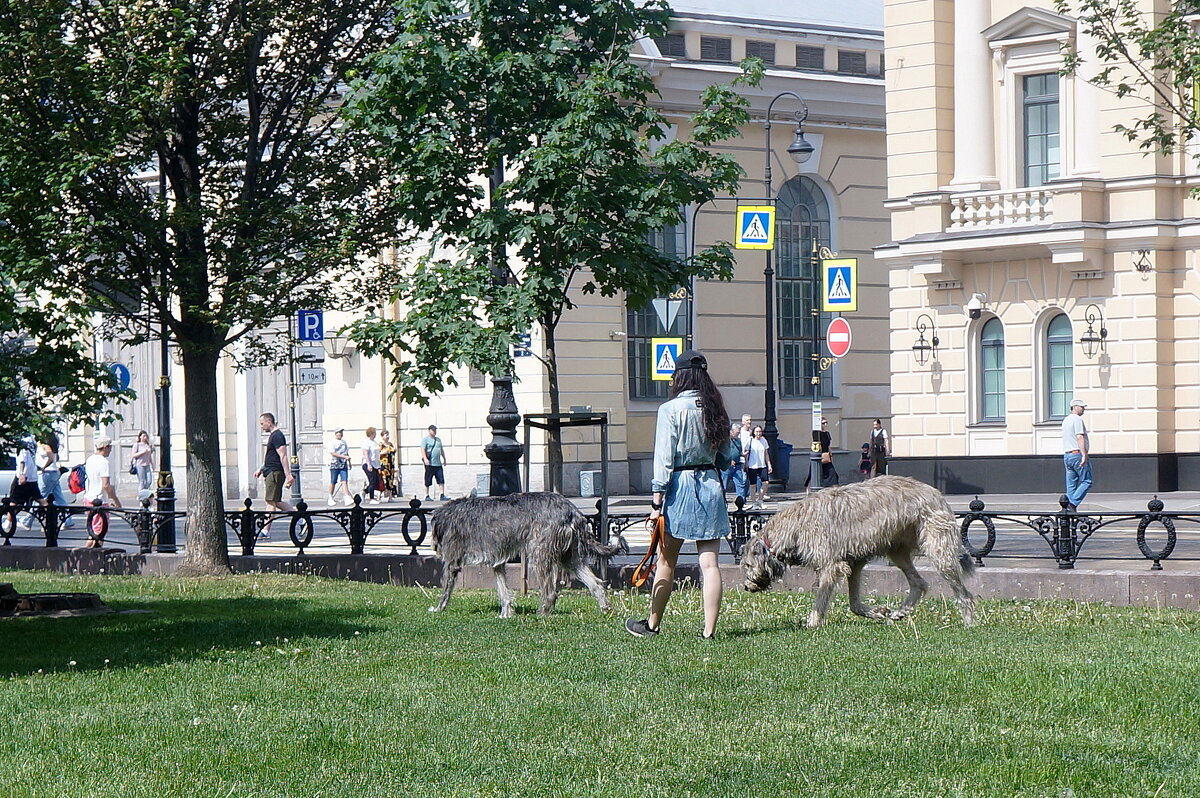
(433, 455)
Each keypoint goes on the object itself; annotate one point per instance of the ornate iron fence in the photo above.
(986, 534)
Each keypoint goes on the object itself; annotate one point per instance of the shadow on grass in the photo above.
(173, 630)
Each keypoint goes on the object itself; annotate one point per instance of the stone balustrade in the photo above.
(994, 209)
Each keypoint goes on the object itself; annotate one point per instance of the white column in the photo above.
(974, 114)
(1085, 126)
(246, 426)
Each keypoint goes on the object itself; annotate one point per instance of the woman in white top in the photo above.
(758, 467)
(142, 459)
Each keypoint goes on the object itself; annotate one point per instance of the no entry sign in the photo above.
(837, 337)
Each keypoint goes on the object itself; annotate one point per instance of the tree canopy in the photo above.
(1148, 55)
(548, 99)
(48, 376)
(269, 200)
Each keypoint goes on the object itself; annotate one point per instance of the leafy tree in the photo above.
(1144, 54)
(47, 377)
(268, 197)
(544, 97)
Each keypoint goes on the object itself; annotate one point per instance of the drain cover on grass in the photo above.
(54, 605)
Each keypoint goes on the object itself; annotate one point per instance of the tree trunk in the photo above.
(554, 451)
(207, 551)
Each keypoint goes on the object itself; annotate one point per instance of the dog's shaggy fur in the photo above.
(839, 530)
(547, 528)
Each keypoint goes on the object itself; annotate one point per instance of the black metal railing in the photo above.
(987, 535)
(56, 523)
(356, 521)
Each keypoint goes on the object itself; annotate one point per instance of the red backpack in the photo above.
(77, 481)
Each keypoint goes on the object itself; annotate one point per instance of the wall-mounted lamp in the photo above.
(1090, 340)
(923, 347)
(617, 335)
(339, 346)
(1141, 261)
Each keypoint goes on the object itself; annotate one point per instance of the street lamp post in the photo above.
(800, 150)
(165, 495)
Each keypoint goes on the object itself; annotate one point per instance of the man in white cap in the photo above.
(99, 488)
(1075, 455)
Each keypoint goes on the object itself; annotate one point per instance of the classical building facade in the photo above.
(833, 59)
(1051, 258)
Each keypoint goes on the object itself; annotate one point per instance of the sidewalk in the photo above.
(1096, 502)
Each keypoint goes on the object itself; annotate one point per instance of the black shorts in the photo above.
(22, 493)
(434, 474)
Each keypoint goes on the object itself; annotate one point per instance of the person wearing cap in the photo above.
(339, 468)
(433, 455)
(99, 488)
(691, 443)
(1075, 455)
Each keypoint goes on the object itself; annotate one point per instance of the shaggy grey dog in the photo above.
(551, 531)
(839, 530)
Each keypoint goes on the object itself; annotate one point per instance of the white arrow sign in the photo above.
(311, 376)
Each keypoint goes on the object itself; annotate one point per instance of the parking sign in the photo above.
(310, 325)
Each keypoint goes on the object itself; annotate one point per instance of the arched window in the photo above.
(991, 378)
(802, 219)
(1060, 374)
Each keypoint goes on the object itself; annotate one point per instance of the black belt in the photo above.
(705, 467)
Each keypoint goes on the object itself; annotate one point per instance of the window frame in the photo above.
(1048, 340)
(792, 351)
(639, 387)
(983, 347)
(1030, 103)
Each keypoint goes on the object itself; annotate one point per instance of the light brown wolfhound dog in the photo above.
(839, 530)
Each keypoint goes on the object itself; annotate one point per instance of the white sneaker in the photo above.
(348, 501)
(331, 502)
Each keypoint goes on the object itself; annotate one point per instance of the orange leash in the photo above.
(645, 568)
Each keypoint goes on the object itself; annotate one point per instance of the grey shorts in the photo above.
(274, 480)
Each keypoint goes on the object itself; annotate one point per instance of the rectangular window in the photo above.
(852, 63)
(713, 48)
(993, 383)
(665, 317)
(673, 45)
(763, 50)
(812, 58)
(1042, 155)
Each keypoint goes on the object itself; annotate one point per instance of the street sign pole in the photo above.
(294, 460)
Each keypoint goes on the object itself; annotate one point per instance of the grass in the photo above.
(288, 686)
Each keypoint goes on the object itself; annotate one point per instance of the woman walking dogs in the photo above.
(691, 442)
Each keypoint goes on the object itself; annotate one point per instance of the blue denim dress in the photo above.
(694, 507)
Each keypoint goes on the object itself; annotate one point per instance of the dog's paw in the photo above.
(880, 613)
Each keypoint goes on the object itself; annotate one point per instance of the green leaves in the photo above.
(552, 91)
(1153, 58)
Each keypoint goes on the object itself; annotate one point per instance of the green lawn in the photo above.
(286, 686)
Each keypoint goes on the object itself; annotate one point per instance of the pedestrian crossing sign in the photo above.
(839, 284)
(663, 353)
(755, 227)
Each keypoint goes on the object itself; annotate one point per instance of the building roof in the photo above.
(858, 16)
